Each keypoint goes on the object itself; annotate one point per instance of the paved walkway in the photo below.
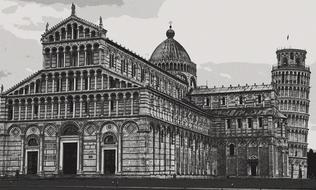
(84, 183)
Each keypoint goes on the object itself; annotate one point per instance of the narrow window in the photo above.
(259, 99)
(249, 123)
(228, 123)
(71, 106)
(239, 123)
(283, 78)
(112, 105)
(241, 100)
(123, 66)
(223, 101)
(207, 102)
(231, 150)
(35, 108)
(111, 60)
(85, 107)
(260, 122)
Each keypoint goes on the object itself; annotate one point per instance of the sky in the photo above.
(230, 41)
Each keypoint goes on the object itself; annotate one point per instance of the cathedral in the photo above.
(98, 109)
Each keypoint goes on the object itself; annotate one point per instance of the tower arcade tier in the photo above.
(291, 78)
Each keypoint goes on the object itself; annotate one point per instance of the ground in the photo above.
(80, 183)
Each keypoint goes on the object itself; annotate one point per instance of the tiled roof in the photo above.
(241, 112)
(232, 89)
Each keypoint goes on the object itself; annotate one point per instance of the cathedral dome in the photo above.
(170, 50)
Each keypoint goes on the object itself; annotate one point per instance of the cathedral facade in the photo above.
(97, 108)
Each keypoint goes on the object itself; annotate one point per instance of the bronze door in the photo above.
(70, 158)
(109, 162)
(32, 160)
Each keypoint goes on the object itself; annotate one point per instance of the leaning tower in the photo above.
(291, 79)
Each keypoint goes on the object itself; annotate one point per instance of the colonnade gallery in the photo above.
(97, 108)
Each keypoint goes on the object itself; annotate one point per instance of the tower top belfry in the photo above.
(290, 57)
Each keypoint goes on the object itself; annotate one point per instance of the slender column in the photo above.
(13, 105)
(60, 83)
(78, 55)
(74, 108)
(57, 61)
(102, 105)
(98, 152)
(59, 107)
(80, 110)
(35, 87)
(19, 108)
(26, 104)
(22, 150)
(109, 105)
(45, 111)
(39, 110)
(32, 103)
(99, 56)
(95, 106)
(46, 84)
(71, 60)
(67, 78)
(29, 88)
(52, 109)
(88, 80)
(53, 83)
(75, 81)
(72, 32)
(41, 145)
(132, 105)
(102, 81)
(95, 80)
(117, 104)
(66, 107)
(124, 104)
(108, 82)
(64, 57)
(81, 79)
(85, 56)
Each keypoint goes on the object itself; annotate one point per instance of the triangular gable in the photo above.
(72, 18)
(37, 75)
(22, 83)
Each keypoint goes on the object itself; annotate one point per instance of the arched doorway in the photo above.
(32, 155)
(253, 163)
(69, 149)
(109, 154)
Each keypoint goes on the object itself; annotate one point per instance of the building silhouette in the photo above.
(97, 108)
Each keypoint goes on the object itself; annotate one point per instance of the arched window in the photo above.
(291, 55)
(32, 142)
(109, 139)
(285, 60)
(70, 130)
(231, 150)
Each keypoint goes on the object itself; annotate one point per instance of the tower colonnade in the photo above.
(291, 77)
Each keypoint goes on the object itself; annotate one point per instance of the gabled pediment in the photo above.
(27, 81)
(73, 25)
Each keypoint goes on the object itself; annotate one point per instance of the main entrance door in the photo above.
(109, 162)
(70, 158)
(32, 161)
(253, 169)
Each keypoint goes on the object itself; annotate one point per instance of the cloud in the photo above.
(4, 74)
(80, 3)
(10, 9)
(225, 75)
